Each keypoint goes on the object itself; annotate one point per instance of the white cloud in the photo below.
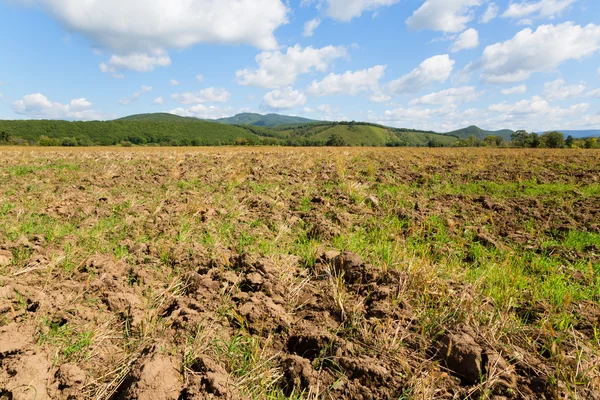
(277, 69)
(451, 96)
(125, 101)
(346, 10)
(159, 101)
(593, 93)
(536, 9)
(111, 70)
(79, 104)
(203, 112)
(38, 106)
(559, 90)
(434, 69)
(208, 95)
(514, 90)
(380, 98)
(540, 50)
(469, 39)
(139, 62)
(348, 83)
(147, 25)
(200, 78)
(443, 15)
(490, 13)
(537, 106)
(284, 98)
(174, 82)
(310, 26)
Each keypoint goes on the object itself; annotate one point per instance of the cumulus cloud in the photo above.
(208, 95)
(147, 25)
(38, 106)
(139, 62)
(200, 78)
(514, 90)
(277, 69)
(535, 112)
(348, 83)
(490, 13)
(125, 101)
(593, 93)
(310, 26)
(434, 69)
(285, 98)
(203, 112)
(469, 39)
(107, 69)
(159, 101)
(449, 96)
(559, 90)
(543, 49)
(174, 82)
(346, 10)
(537, 9)
(443, 15)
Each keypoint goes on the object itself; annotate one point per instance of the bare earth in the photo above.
(299, 273)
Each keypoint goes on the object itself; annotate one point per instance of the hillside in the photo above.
(157, 117)
(177, 132)
(263, 120)
(580, 134)
(465, 133)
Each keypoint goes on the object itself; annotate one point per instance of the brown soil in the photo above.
(337, 327)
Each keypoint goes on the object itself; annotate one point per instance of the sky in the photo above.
(423, 64)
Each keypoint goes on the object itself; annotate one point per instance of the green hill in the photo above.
(263, 120)
(479, 133)
(157, 117)
(358, 134)
(180, 131)
(173, 130)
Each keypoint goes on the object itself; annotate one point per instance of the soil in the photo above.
(332, 326)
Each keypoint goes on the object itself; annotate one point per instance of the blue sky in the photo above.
(428, 64)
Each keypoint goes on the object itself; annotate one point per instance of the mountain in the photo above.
(263, 120)
(479, 133)
(359, 134)
(157, 117)
(578, 134)
(146, 129)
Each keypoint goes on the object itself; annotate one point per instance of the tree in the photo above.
(534, 140)
(553, 140)
(591, 143)
(569, 141)
(4, 136)
(521, 139)
(336, 140)
(493, 141)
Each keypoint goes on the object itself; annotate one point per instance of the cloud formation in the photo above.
(532, 51)
(37, 106)
(277, 69)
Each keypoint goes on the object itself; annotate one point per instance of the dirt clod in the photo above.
(462, 356)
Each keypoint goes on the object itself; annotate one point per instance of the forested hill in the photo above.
(171, 130)
(177, 131)
(158, 117)
(264, 120)
(479, 133)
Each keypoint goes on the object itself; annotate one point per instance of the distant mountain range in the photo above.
(480, 133)
(264, 120)
(247, 128)
(579, 134)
